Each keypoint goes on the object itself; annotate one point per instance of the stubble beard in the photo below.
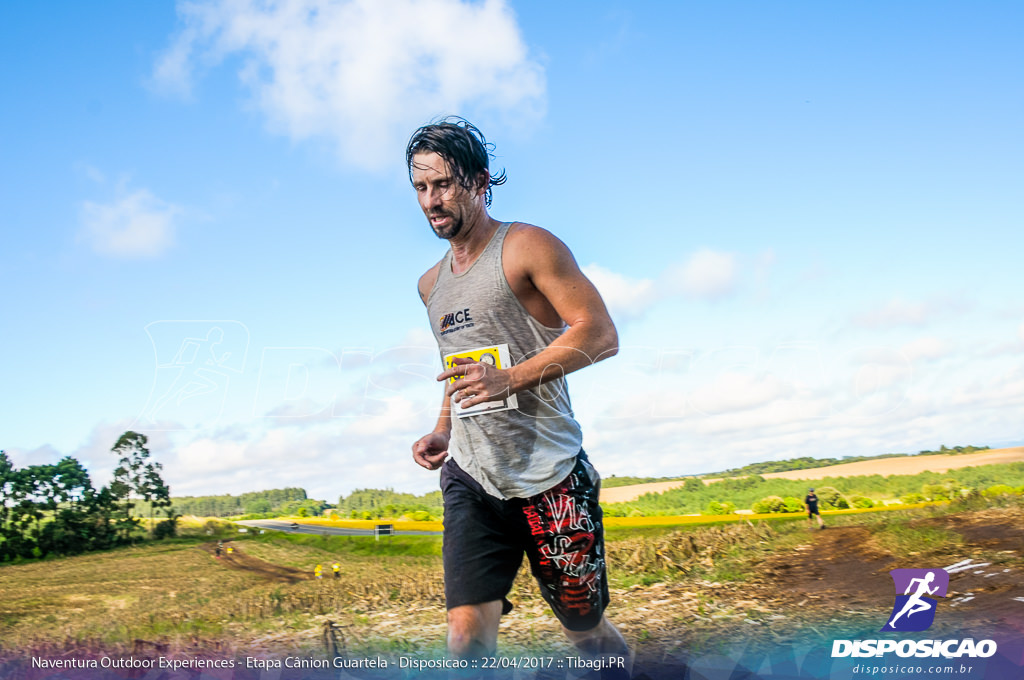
(450, 232)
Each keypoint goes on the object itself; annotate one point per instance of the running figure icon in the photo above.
(915, 603)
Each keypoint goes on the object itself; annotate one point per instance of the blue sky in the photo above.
(805, 218)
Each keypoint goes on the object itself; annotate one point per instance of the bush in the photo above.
(216, 527)
(861, 502)
(1000, 490)
(947, 490)
(936, 492)
(831, 497)
(912, 498)
(793, 504)
(167, 528)
(719, 508)
(770, 504)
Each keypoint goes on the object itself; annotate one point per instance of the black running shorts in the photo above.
(560, 530)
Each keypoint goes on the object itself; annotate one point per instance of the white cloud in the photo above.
(625, 297)
(364, 73)
(927, 349)
(899, 312)
(707, 275)
(43, 455)
(136, 225)
(327, 458)
(895, 313)
(733, 391)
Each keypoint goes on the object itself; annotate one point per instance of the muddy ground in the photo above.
(833, 584)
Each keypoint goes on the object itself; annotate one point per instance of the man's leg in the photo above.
(473, 630)
(481, 558)
(604, 645)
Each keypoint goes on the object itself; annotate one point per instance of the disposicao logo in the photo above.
(914, 609)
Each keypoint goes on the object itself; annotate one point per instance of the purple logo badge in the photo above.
(913, 609)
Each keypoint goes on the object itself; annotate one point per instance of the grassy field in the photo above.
(882, 466)
(671, 584)
(180, 596)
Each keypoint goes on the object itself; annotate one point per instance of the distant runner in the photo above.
(811, 504)
(337, 570)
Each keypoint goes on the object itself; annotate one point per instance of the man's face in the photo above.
(443, 200)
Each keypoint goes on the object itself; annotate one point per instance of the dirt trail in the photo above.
(840, 569)
(236, 559)
(836, 566)
(836, 579)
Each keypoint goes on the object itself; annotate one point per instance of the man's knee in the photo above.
(604, 638)
(473, 629)
(607, 650)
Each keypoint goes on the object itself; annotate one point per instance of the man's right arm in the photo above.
(431, 450)
(427, 281)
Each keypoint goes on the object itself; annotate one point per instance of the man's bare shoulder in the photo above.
(427, 281)
(528, 244)
(526, 234)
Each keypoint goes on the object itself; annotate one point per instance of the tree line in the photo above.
(54, 508)
(378, 503)
(272, 502)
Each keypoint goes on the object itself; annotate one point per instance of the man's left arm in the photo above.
(546, 268)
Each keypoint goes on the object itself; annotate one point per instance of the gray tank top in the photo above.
(517, 452)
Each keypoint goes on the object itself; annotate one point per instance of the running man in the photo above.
(515, 479)
(811, 505)
(915, 604)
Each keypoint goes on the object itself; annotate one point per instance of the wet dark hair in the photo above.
(463, 148)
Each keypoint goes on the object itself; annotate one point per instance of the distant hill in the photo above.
(883, 465)
(807, 462)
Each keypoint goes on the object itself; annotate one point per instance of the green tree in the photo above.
(137, 477)
(693, 485)
(6, 491)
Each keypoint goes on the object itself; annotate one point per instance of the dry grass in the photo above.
(178, 597)
(113, 597)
